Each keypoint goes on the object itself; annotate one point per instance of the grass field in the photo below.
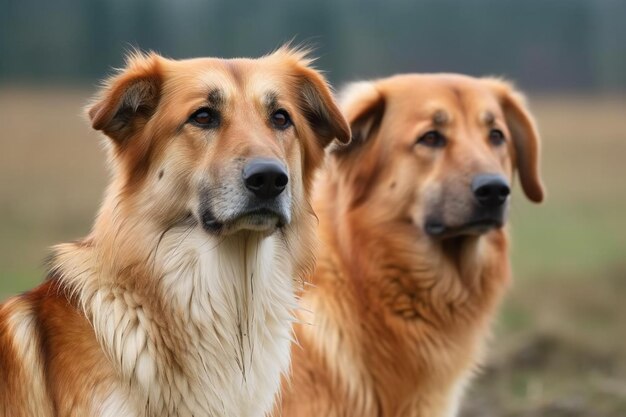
(559, 347)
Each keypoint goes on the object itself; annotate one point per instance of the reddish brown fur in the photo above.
(398, 319)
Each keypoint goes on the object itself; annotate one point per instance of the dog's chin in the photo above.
(439, 230)
(263, 221)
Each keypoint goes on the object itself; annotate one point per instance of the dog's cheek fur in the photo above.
(304, 237)
(170, 189)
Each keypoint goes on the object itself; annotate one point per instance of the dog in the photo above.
(415, 250)
(179, 302)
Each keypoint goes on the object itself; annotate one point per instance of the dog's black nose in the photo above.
(266, 178)
(490, 190)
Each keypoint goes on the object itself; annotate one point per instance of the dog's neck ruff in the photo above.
(410, 291)
(210, 324)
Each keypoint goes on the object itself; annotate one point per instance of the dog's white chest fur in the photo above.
(221, 341)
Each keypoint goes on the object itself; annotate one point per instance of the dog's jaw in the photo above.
(263, 221)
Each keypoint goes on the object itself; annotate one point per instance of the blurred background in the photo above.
(559, 345)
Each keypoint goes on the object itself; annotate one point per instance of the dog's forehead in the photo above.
(227, 79)
(443, 97)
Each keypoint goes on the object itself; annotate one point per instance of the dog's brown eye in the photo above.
(496, 137)
(205, 117)
(432, 139)
(280, 119)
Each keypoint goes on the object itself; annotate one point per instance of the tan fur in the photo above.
(154, 314)
(395, 320)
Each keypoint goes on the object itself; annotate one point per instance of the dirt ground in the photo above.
(559, 342)
(567, 360)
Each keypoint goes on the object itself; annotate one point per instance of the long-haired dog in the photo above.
(179, 302)
(415, 250)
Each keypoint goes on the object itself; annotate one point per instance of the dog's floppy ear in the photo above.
(128, 99)
(320, 109)
(315, 98)
(364, 106)
(525, 137)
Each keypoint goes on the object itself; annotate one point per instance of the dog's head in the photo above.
(229, 143)
(438, 151)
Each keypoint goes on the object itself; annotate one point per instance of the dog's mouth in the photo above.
(260, 220)
(263, 220)
(440, 230)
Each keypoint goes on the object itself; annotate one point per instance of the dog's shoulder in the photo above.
(44, 336)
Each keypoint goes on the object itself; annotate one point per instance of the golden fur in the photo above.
(179, 302)
(395, 320)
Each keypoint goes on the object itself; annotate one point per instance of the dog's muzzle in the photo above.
(261, 201)
(490, 193)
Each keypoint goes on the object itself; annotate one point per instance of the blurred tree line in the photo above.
(563, 45)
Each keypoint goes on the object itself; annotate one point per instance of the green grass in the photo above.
(559, 237)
